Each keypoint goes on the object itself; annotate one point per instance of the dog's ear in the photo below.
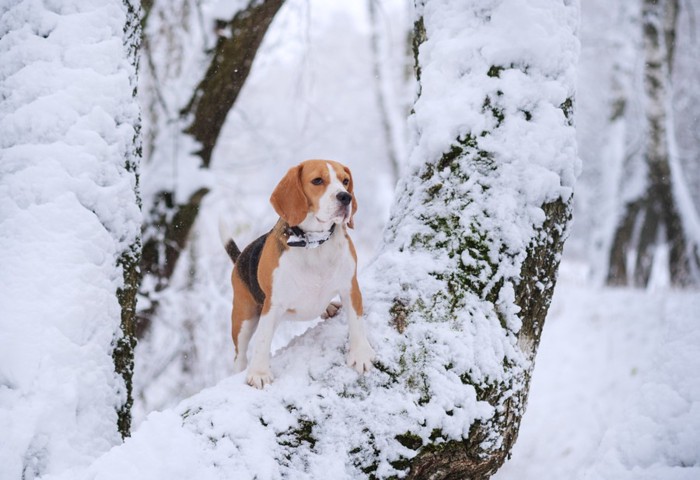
(351, 222)
(288, 198)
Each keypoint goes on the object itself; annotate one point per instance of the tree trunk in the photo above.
(123, 354)
(621, 141)
(235, 50)
(70, 222)
(382, 68)
(451, 198)
(651, 226)
(169, 222)
(475, 457)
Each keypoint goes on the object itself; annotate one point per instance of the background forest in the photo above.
(233, 93)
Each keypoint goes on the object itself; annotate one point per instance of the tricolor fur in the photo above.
(273, 281)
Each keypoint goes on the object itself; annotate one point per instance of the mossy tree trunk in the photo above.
(651, 226)
(169, 221)
(456, 199)
(125, 343)
(478, 456)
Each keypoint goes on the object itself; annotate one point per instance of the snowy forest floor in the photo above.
(616, 388)
(615, 391)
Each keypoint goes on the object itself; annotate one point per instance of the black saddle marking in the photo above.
(247, 265)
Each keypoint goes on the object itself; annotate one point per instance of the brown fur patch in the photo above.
(288, 198)
(351, 190)
(355, 293)
(356, 297)
(244, 307)
(311, 170)
(270, 260)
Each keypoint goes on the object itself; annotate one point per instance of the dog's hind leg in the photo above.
(244, 321)
(241, 341)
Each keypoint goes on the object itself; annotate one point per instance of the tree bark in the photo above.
(475, 457)
(169, 222)
(123, 354)
(238, 42)
(621, 139)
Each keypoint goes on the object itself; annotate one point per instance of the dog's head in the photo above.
(321, 190)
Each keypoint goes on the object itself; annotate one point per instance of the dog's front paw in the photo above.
(259, 378)
(360, 357)
(331, 310)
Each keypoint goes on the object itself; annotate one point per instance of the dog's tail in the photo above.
(227, 240)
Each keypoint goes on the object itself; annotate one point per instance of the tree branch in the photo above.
(170, 223)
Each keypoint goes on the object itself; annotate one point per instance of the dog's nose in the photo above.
(344, 197)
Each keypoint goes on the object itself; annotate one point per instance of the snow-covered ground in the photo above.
(616, 389)
(615, 395)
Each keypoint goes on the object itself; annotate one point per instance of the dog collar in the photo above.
(296, 237)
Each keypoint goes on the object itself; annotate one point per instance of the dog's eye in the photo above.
(317, 181)
(346, 182)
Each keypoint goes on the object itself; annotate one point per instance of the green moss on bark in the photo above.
(302, 433)
(568, 108)
(419, 36)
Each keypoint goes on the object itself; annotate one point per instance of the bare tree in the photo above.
(389, 100)
(169, 220)
(652, 231)
(621, 139)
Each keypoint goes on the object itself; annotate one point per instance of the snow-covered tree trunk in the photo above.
(69, 230)
(129, 259)
(187, 129)
(657, 233)
(482, 218)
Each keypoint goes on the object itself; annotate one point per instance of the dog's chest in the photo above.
(307, 279)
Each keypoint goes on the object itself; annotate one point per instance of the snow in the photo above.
(614, 396)
(67, 212)
(615, 391)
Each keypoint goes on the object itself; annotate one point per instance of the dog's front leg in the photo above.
(242, 335)
(259, 373)
(360, 353)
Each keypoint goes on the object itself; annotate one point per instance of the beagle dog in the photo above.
(294, 271)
